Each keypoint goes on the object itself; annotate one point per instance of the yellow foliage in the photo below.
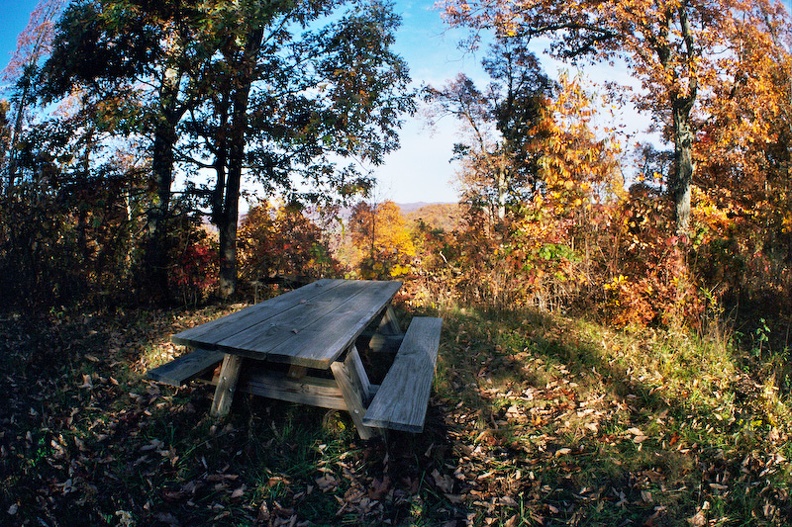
(385, 243)
(579, 167)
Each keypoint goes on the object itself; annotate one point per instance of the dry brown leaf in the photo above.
(238, 493)
(508, 501)
(327, 483)
(379, 489)
(698, 520)
(87, 382)
(454, 498)
(274, 480)
(154, 444)
(444, 483)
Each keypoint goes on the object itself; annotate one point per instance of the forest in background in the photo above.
(129, 127)
(617, 315)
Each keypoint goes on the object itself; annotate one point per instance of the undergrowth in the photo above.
(535, 420)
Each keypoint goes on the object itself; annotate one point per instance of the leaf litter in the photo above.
(532, 423)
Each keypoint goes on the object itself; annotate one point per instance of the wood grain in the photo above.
(309, 327)
(314, 391)
(225, 327)
(185, 368)
(355, 390)
(226, 386)
(401, 401)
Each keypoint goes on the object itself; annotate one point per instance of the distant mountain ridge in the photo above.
(438, 214)
(445, 216)
(406, 208)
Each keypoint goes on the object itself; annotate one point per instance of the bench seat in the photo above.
(402, 399)
(186, 368)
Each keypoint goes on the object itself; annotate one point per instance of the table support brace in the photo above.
(355, 387)
(226, 386)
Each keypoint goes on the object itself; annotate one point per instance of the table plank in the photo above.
(209, 334)
(401, 401)
(308, 327)
(337, 330)
(314, 391)
(306, 330)
(288, 324)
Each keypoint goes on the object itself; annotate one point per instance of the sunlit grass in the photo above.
(669, 406)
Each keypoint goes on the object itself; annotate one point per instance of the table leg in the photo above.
(389, 325)
(388, 336)
(355, 387)
(226, 386)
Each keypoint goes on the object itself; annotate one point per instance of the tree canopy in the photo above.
(675, 49)
(280, 92)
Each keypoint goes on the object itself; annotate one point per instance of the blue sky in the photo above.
(16, 14)
(420, 170)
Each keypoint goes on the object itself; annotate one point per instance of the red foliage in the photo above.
(194, 273)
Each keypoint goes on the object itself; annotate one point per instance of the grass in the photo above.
(535, 420)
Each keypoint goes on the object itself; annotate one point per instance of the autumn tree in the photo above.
(283, 243)
(744, 160)
(33, 45)
(578, 160)
(380, 233)
(131, 62)
(673, 48)
(280, 91)
(498, 166)
(69, 202)
(288, 109)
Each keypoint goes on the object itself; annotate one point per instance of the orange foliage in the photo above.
(282, 242)
(380, 233)
(650, 279)
(675, 49)
(743, 238)
(577, 168)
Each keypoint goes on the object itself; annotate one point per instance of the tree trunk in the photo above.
(16, 135)
(230, 216)
(502, 191)
(156, 253)
(236, 160)
(683, 162)
(156, 258)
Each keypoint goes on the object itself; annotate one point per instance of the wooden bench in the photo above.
(186, 368)
(402, 399)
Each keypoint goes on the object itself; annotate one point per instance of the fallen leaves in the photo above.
(327, 483)
(535, 436)
(638, 436)
(443, 482)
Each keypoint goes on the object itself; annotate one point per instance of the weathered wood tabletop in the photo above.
(310, 326)
(301, 347)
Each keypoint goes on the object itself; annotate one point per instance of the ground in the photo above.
(534, 420)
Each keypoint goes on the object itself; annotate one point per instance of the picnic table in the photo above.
(301, 347)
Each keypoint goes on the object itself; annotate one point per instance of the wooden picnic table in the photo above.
(301, 347)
